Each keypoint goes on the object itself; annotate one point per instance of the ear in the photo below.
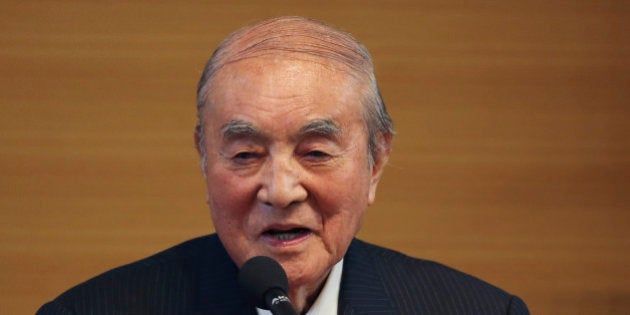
(381, 156)
(198, 144)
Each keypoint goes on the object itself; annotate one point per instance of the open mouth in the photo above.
(287, 235)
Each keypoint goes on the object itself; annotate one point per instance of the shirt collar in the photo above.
(326, 302)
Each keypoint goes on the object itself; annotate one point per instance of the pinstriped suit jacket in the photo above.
(198, 277)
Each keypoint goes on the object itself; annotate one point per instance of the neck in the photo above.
(304, 296)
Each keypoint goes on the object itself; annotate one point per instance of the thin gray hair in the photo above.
(291, 35)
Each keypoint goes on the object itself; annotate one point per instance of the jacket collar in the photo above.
(362, 290)
(218, 291)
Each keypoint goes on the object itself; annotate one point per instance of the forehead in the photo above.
(284, 86)
(286, 70)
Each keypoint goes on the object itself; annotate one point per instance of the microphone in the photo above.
(264, 284)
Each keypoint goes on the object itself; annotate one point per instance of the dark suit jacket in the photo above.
(198, 277)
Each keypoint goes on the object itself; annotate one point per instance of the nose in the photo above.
(281, 184)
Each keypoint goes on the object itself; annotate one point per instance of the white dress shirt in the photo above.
(326, 302)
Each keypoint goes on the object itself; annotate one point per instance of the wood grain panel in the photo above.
(511, 162)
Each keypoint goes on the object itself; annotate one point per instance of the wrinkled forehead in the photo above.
(295, 78)
(288, 39)
(282, 67)
(291, 89)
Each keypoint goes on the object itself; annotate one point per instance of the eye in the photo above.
(245, 157)
(317, 154)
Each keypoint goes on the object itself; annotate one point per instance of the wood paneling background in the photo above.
(512, 159)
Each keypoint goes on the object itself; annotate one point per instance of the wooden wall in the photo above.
(512, 159)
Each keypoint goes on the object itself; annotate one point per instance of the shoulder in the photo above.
(168, 275)
(432, 286)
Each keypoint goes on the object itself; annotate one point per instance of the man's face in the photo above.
(287, 167)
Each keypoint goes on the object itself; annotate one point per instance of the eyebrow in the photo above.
(321, 127)
(242, 129)
(238, 129)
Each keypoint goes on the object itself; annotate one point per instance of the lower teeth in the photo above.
(286, 236)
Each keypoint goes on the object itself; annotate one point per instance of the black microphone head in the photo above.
(257, 276)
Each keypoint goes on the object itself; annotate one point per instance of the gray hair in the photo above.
(291, 35)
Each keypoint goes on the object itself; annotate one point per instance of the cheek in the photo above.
(349, 186)
(343, 200)
(229, 199)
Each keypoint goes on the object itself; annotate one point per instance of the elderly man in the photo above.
(293, 138)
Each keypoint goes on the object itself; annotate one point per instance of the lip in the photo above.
(276, 242)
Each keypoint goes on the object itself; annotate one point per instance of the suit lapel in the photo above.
(362, 289)
(218, 291)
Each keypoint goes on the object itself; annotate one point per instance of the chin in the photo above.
(306, 272)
